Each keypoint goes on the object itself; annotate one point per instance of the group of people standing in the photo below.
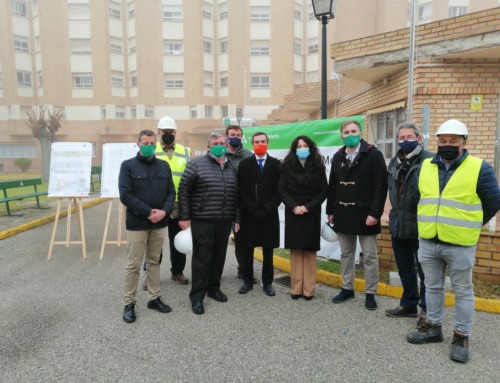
(435, 218)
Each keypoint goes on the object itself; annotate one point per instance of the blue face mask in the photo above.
(303, 153)
(408, 146)
(235, 142)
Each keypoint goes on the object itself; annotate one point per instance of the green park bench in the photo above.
(95, 176)
(9, 185)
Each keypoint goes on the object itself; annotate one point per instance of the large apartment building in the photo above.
(115, 67)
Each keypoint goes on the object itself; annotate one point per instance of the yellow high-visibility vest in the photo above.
(456, 215)
(178, 162)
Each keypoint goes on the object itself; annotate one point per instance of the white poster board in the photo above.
(70, 164)
(112, 157)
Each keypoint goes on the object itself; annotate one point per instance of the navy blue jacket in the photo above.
(145, 184)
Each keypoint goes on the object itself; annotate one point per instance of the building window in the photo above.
(131, 45)
(193, 112)
(120, 112)
(173, 47)
(17, 151)
(149, 112)
(208, 111)
(131, 9)
(78, 12)
(82, 81)
(207, 45)
(223, 11)
(173, 81)
(116, 45)
(297, 47)
(385, 127)
(298, 11)
(18, 8)
(224, 110)
(172, 12)
(424, 11)
(207, 11)
(310, 12)
(223, 79)
(103, 112)
(21, 44)
(1, 82)
(223, 46)
(80, 46)
(259, 48)
(133, 112)
(312, 45)
(260, 81)
(133, 78)
(457, 11)
(208, 79)
(114, 10)
(23, 78)
(259, 14)
(117, 79)
(39, 79)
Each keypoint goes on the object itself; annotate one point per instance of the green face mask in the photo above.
(147, 150)
(218, 151)
(352, 141)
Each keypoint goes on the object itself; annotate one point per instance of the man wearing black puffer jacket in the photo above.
(208, 201)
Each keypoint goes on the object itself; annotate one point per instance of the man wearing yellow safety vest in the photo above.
(458, 194)
(177, 156)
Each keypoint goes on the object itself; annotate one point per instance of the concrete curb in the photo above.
(42, 221)
(335, 280)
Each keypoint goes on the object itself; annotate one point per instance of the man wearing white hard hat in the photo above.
(458, 194)
(177, 156)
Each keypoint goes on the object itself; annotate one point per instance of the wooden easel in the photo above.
(75, 202)
(119, 239)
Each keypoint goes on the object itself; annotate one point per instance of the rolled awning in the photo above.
(386, 108)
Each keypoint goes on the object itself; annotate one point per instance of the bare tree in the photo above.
(44, 130)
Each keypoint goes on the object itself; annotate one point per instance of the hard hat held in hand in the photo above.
(328, 233)
(183, 241)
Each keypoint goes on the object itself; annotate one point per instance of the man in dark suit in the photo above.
(258, 178)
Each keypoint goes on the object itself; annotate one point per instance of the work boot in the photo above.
(459, 347)
(428, 333)
(421, 319)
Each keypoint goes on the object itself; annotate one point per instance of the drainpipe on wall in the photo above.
(496, 162)
(411, 63)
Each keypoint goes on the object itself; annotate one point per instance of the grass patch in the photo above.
(482, 289)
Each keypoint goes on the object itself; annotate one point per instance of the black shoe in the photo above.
(245, 288)
(158, 305)
(242, 277)
(295, 296)
(219, 296)
(401, 311)
(370, 302)
(198, 307)
(309, 297)
(129, 313)
(269, 290)
(343, 296)
(459, 347)
(428, 333)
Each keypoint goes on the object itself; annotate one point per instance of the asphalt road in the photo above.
(61, 320)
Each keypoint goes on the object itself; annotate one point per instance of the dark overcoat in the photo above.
(357, 191)
(259, 202)
(302, 186)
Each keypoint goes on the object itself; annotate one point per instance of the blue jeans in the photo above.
(405, 253)
(434, 257)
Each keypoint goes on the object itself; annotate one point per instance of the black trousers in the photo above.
(239, 250)
(267, 266)
(177, 259)
(209, 255)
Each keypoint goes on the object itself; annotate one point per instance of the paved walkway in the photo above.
(61, 321)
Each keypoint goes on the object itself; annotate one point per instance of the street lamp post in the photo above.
(239, 115)
(323, 10)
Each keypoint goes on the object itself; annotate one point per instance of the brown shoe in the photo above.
(180, 279)
(145, 285)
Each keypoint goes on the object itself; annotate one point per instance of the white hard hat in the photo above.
(328, 233)
(183, 241)
(453, 127)
(167, 123)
